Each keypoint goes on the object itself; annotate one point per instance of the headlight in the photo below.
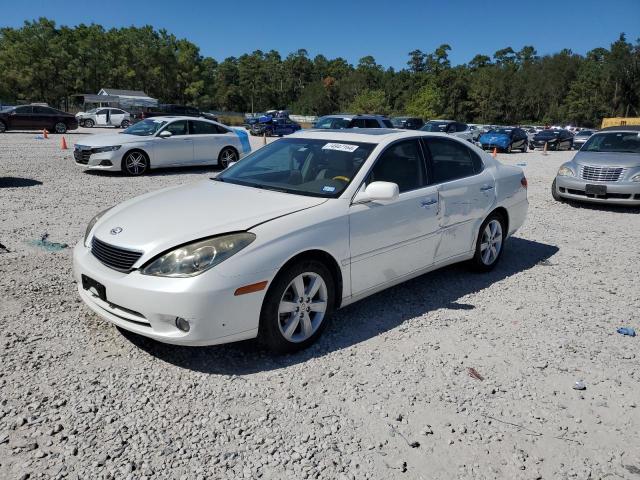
(195, 258)
(636, 178)
(105, 149)
(92, 223)
(566, 172)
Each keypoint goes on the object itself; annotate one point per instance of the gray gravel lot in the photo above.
(386, 392)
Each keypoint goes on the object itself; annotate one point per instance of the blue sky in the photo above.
(352, 29)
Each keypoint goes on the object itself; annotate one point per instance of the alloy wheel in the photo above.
(136, 163)
(491, 243)
(302, 307)
(60, 127)
(226, 157)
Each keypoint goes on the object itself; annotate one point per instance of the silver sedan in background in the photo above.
(605, 170)
(580, 138)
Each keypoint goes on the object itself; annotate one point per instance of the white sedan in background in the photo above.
(104, 117)
(310, 223)
(161, 142)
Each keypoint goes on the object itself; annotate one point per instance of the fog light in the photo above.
(182, 324)
(106, 163)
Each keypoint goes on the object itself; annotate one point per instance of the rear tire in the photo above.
(227, 156)
(135, 163)
(125, 124)
(297, 307)
(508, 148)
(525, 148)
(490, 243)
(3, 127)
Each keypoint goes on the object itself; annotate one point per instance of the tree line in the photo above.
(43, 62)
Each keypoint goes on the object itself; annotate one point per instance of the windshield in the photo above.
(504, 131)
(145, 128)
(622, 142)
(332, 122)
(435, 127)
(318, 168)
(398, 122)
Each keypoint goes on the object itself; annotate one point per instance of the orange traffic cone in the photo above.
(63, 144)
(45, 134)
(494, 154)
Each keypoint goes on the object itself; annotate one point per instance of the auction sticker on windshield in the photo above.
(341, 147)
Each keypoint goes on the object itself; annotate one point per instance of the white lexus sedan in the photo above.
(161, 142)
(310, 223)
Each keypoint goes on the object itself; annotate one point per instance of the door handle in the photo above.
(484, 188)
(428, 203)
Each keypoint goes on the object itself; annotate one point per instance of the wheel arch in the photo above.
(503, 213)
(326, 259)
(232, 147)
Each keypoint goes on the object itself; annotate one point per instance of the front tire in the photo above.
(227, 155)
(88, 123)
(296, 307)
(3, 127)
(60, 127)
(508, 148)
(554, 192)
(135, 163)
(490, 243)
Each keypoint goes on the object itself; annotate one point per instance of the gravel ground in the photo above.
(386, 392)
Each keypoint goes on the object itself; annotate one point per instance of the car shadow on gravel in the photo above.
(17, 182)
(360, 321)
(158, 172)
(603, 207)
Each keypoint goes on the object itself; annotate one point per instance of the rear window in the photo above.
(387, 123)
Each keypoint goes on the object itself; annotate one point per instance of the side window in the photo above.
(42, 110)
(27, 109)
(461, 127)
(102, 111)
(451, 160)
(451, 128)
(388, 124)
(358, 123)
(177, 128)
(401, 164)
(221, 129)
(202, 128)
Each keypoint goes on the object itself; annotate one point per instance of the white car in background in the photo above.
(161, 142)
(104, 117)
(301, 227)
(453, 128)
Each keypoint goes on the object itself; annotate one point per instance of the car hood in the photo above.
(111, 139)
(612, 159)
(494, 137)
(163, 219)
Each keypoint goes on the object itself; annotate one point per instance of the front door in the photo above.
(393, 239)
(22, 119)
(103, 117)
(176, 149)
(466, 192)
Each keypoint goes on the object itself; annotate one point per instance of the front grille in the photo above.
(82, 156)
(601, 174)
(117, 258)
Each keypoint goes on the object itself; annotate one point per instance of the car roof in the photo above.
(353, 115)
(621, 128)
(365, 135)
(170, 118)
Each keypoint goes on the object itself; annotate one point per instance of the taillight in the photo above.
(523, 182)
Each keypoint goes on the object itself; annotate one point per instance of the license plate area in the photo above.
(94, 287)
(595, 189)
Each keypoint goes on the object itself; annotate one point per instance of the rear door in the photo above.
(43, 117)
(176, 149)
(117, 116)
(207, 141)
(466, 194)
(393, 239)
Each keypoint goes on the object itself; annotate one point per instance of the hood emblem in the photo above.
(116, 230)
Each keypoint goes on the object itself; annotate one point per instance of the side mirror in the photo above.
(378, 192)
(165, 134)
